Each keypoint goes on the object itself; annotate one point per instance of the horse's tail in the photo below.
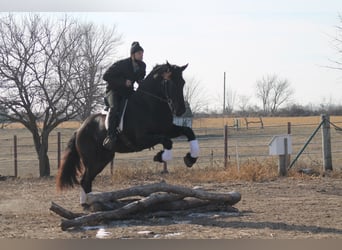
(70, 166)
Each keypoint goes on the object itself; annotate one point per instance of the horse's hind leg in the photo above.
(92, 169)
(86, 185)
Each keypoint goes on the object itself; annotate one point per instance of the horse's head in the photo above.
(173, 85)
(165, 82)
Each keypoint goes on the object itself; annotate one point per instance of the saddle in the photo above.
(119, 129)
(120, 125)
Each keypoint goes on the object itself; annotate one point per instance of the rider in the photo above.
(120, 78)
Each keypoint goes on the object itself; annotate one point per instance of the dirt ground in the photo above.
(286, 208)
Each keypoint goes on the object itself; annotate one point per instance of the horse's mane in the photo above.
(155, 71)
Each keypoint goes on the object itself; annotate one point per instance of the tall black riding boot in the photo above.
(110, 140)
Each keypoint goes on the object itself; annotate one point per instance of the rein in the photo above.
(167, 100)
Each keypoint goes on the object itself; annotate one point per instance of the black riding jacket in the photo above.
(117, 74)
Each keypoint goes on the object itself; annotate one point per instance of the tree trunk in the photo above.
(41, 143)
(44, 162)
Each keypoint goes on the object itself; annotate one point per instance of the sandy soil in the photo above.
(283, 209)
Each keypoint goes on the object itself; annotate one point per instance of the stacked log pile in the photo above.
(151, 198)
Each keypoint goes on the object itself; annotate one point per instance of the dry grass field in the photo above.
(244, 145)
(219, 122)
(268, 121)
(298, 206)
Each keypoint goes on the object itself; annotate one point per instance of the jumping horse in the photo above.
(147, 121)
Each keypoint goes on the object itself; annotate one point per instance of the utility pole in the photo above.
(224, 93)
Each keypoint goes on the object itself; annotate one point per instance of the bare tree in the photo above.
(281, 93)
(337, 44)
(3, 119)
(98, 46)
(39, 72)
(273, 92)
(194, 94)
(264, 88)
(230, 99)
(243, 101)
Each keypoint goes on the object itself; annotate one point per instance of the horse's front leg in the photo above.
(191, 157)
(148, 141)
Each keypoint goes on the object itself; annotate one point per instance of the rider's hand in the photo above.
(128, 83)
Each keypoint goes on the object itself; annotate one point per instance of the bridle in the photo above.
(167, 98)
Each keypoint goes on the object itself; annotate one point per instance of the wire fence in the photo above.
(243, 146)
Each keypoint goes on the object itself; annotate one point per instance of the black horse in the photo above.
(148, 121)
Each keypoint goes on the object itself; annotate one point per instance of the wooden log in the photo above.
(64, 212)
(120, 213)
(202, 209)
(178, 205)
(186, 204)
(230, 198)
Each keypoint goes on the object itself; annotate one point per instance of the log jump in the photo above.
(144, 199)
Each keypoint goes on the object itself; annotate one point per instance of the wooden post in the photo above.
(246, 122)
(289, 128)
(58, 149)
(283, 161)
(262, 123)
(225, 146)
(15, 156)
(224, 94)
(289, 133)
(326, 143)
(237, 156)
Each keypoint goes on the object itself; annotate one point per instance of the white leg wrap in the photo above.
(194, 148)
(83, 197)
(167, 155)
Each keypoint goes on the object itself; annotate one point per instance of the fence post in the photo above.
(15, 156)
(58, 149)
(225, 146)
(283, 160)
(326, 143)
(289, 133)
(289, 128)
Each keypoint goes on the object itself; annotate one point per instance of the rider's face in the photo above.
(138, 56)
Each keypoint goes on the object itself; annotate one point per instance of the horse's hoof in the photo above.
(189, 161)
(158, 156)
(164, 172)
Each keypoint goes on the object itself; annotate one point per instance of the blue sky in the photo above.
(245, 39)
